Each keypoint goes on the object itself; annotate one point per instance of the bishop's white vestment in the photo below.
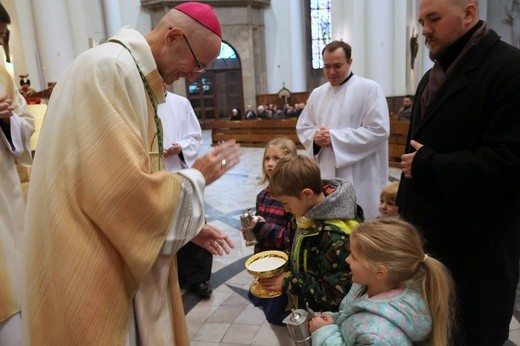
(14, 147)
(100, 221)
(356, 113)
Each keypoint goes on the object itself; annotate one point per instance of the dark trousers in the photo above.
(274, 308)
(484, 312)
(516, 313)
(194, 264)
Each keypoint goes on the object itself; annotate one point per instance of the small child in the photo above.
(272, 227)
(387, 206)
(400, 295)
(326, 211)
(272, 230)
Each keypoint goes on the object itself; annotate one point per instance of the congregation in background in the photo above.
(269, 111)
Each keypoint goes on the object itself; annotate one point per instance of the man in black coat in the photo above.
(460, 182)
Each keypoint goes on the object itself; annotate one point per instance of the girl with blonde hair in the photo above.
(271, 225)
(400, 295)
(273, 231)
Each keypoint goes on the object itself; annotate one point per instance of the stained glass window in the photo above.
(320, 30)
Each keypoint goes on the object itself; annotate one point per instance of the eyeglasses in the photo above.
(199, 68)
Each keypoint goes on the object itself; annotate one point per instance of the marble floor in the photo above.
(228, 318)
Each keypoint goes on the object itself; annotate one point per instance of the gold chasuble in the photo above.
(98, 215)
(12, 203)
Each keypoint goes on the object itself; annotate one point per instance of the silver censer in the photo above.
(246, 219)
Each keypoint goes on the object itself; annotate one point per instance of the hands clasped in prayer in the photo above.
(322, 137)
(6, 109)
(175, 149)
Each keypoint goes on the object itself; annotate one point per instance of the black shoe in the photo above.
(201, 289)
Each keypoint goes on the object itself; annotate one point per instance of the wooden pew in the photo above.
(254, 133)
(397, 141)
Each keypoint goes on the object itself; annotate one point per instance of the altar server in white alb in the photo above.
(181, 131)
(182, 142)
(345, 126)
(16, 128)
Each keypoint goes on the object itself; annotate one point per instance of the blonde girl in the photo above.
(273, 231)
(400, 295)
(272, 228)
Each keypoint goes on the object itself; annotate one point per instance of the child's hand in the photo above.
(273, 283)
(319, 321)
(254, 221)
(243, 231)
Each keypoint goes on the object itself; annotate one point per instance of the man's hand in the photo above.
(213, 240)
(6, 108)
(407, 159)
(218, 161)
(175, 149)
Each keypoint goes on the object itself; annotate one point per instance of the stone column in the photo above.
(348, 24)
(297, 47)
(112, 15)
(22, 42)
(54, 37)
(379, 52)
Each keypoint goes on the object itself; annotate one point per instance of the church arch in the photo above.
(219, 89)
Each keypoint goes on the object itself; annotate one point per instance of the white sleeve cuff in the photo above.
(18, 137)
(188, 218)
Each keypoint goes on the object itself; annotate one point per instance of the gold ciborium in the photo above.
(265, 264)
